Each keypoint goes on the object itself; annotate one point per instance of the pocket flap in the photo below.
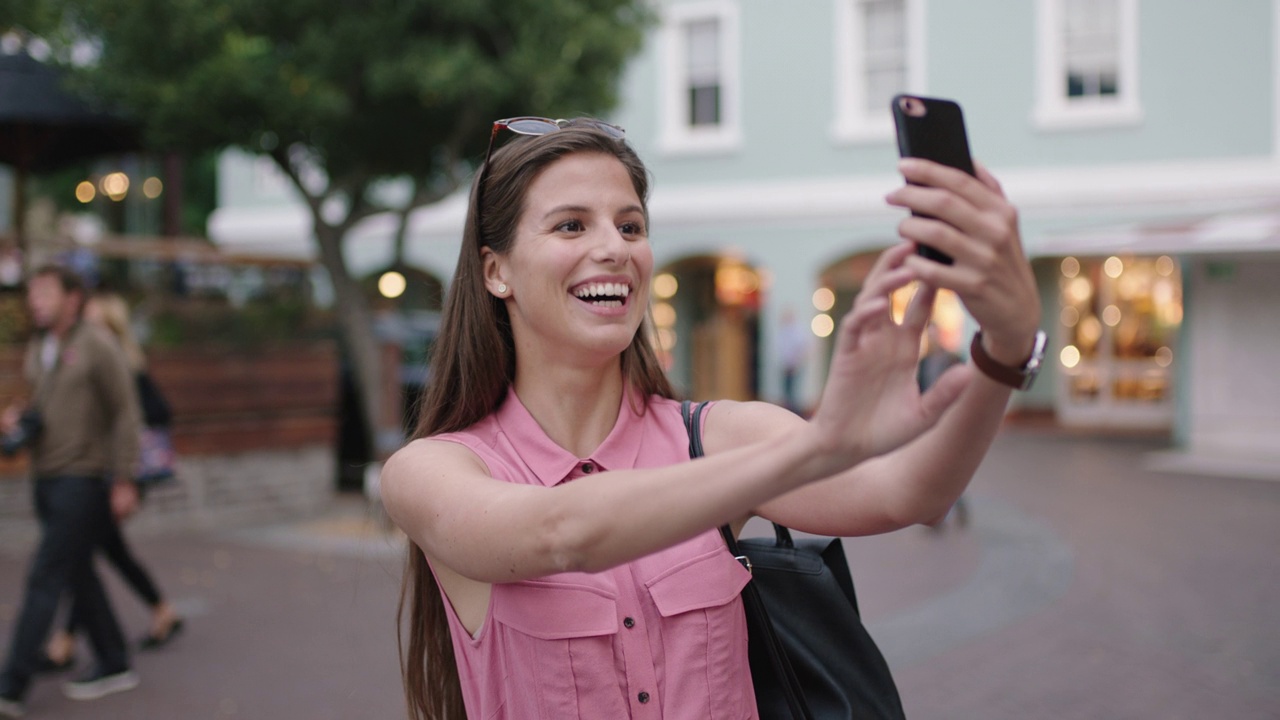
(555, 611)
(711, 579)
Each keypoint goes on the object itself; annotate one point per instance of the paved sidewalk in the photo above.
(1084, 587)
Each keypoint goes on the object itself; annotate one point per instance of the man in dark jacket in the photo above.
(83, 449)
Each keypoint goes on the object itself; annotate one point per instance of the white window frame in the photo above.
(1054, 110)
(676, 135)
(853, 122)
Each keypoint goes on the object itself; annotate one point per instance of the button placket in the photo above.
(641, 679)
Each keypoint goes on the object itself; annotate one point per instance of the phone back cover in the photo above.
(938, 135)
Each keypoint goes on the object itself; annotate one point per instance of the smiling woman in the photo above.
(565, 558)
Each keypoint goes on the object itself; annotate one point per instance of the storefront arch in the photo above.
(706, 313)
(839, 284)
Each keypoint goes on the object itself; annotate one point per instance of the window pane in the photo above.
(884, 52)
(704, 105)
(703, 50)
(1091, 43)
(885, 25)
(882, 86)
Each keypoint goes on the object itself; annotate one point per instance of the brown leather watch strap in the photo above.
(1018, 378)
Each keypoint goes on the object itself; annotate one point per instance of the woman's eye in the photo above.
(631, 228)
(569, 226)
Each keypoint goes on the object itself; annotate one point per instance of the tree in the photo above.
(344, 95)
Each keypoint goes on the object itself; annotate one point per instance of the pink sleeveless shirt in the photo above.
(661, 637)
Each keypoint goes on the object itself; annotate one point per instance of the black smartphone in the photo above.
(933, 129)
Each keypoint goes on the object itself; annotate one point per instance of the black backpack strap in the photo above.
(753, 604)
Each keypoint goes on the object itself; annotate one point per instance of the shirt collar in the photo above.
(552, 463)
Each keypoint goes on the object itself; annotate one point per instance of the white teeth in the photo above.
(603, 290)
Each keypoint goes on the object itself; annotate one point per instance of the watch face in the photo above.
(1032, 368)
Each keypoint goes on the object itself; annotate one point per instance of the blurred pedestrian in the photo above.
(565, 558)
(793, 351)
(935, 361)
(81, 427)
(110, 311)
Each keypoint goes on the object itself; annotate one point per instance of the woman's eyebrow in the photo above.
(584, 209)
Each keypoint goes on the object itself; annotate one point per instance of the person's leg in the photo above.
(89, 598)
(117, 552)
(164, 618)
(64, 547)
(60, 649)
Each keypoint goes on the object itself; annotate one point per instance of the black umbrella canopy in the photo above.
(43, 126)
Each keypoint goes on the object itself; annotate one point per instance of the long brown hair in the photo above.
(473, 364)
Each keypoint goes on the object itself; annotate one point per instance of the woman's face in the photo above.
(93, 313)
(578, 272)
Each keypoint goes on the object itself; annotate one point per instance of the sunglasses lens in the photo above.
(532, 126)
(611, 130)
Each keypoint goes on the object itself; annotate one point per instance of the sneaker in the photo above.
(10, 707)
(99, 684)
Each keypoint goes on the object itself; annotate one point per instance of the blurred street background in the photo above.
(277, 190)
(1084, 586)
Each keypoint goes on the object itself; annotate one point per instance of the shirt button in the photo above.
(643, 697)
(628, 623)
(588, 468)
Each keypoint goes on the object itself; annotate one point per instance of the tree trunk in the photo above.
(171, 214)
(355, 319)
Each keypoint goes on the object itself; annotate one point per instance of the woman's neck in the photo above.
(576, 407)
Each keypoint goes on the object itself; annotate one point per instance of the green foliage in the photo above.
(261, 322)
(14, 323)
(374, 89)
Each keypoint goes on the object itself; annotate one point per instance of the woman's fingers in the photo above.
(973, 189)
(944, 391)
(987, 178)
(920, 309)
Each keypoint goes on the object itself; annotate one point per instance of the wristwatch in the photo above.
(1018, 378)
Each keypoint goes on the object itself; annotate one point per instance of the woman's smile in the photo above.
(604, 295)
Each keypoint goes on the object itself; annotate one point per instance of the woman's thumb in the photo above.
(944, 392)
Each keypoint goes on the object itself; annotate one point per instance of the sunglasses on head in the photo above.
(542, 126)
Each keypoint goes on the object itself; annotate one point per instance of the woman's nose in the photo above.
(613, 247)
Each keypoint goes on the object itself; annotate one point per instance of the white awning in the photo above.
(1243, 231)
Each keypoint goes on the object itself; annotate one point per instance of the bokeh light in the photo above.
(824, 299)
(822, 325)
(665, 285)
(86, 192)
(392, 284)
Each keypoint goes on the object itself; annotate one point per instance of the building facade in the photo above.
(1140, 140)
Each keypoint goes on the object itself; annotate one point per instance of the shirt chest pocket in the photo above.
(559, 637)
(704, 636)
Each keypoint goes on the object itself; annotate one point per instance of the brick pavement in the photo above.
(1086, 586)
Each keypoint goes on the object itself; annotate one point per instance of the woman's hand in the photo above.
(871, 403)
(976, 225)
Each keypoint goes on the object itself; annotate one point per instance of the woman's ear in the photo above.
(494, 274)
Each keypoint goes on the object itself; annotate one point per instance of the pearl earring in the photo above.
(502, 288)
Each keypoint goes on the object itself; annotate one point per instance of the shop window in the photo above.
(1120, 318)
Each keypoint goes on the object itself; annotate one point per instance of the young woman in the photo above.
(565, 559)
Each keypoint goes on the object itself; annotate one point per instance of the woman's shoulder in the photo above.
(733, 423)
(444, 452)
